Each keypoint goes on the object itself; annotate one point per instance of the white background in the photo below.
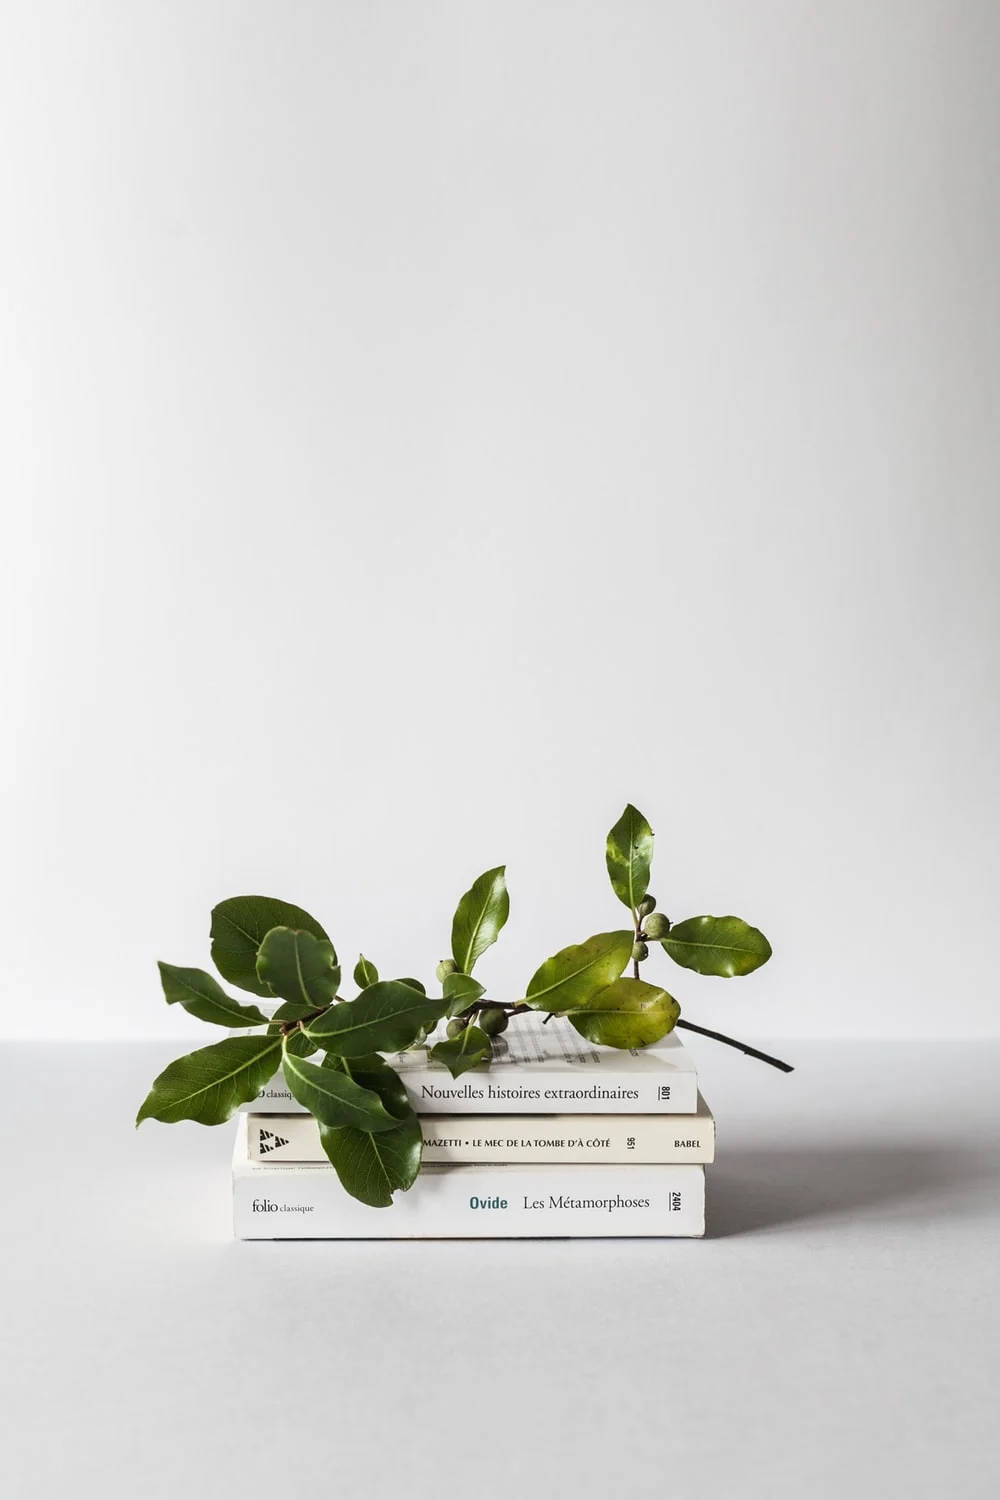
(427, 426)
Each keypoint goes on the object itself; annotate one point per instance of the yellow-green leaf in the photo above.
(629, 855)
(480, 915)
(628, 1013)
(723, 946)
(573, 975)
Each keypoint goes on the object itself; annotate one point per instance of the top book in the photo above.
(539, 1069)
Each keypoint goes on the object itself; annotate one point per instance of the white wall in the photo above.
(427, 426)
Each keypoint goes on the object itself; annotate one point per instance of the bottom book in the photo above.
(293, 1201)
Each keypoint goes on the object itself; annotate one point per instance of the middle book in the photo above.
(457, 1139)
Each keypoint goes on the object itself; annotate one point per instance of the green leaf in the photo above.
(291, 1011)
(724, 946)
(481, 913)
(365, 972)
(629, 854)
(386, 1017)
(467, 1050)
(421, 1035)
(296, 1041)
(300, 968)
(460, 991)
(204, 997)
(628, 1013)
(240, 925)
(333, 1097)
(572, 976)
(372, 1167)
(210, 1085)
(373, 1072)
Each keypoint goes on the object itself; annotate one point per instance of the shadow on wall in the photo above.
(757, 1190)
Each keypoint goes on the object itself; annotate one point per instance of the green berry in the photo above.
(445, 967)
(492, 1021)
(639, 952)
(657, 926)
(646, 905)
(455, 1028)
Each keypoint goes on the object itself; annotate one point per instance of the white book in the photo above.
(452, 1139)
(494, 1201)
(539, 1069)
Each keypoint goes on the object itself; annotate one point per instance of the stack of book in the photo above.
(556, 1138)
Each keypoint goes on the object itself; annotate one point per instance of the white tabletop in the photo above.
(836, 1334)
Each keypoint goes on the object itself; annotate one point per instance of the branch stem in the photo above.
(729, 1041)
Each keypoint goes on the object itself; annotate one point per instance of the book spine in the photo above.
(544, 1093)
(475, 1202)
(451, 1139)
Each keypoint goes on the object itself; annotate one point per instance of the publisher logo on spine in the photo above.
(267, 1141)
(268, 1206)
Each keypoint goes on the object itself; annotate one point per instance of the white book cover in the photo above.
(539, 1069)
(452, 1139)
(486, 1201)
